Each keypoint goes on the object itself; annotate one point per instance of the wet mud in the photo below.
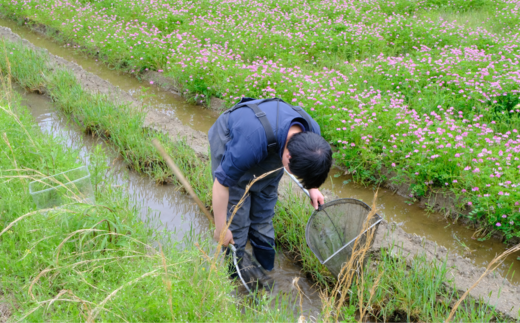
(164, 118)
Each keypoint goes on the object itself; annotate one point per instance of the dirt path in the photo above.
(463, 271)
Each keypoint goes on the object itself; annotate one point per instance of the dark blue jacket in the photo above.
(247, 146)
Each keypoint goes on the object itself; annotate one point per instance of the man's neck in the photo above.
(292, 130)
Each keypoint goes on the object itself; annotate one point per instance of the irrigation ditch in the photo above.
(462, 269)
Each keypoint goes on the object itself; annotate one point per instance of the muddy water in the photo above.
(394, 208)
(161, 205)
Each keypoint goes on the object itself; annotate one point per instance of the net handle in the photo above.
(297, 182)
(348, 244)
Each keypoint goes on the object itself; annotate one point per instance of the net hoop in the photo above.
(377, 218)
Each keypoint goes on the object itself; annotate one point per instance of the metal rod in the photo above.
(348, 244)
(297, 182)
(234, 251)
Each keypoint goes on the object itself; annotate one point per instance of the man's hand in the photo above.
(227, 239)
(316, 197)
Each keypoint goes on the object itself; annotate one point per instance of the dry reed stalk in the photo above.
(301, 319)
(27, 215)
(74, 196)
(213, 263)
(497, 261)
(354, 265)
(75, 299)
(362, 311)
(167, 282)
(15, 117)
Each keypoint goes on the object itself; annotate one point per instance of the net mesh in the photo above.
(332, 230)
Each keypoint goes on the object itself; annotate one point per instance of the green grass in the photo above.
(292, 213)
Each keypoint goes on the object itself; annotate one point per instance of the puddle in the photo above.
(170, 209)
(393, 207)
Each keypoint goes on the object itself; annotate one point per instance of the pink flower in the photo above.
(469, 203)
(151, 82)
(504, 216)
(352, 144)
(498, 224)
(393, 164)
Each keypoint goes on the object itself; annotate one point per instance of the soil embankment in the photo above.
(464, 272)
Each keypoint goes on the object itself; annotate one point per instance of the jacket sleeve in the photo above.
(243, 151)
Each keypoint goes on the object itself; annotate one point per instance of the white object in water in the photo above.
(72, 186)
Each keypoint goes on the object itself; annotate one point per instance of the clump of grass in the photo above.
(395, 289)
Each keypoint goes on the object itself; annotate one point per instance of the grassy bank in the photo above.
(83, 262)
(425, 89)
(92, 266)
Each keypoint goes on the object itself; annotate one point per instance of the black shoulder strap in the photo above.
(272, 143)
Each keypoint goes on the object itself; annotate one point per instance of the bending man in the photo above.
(248, 140)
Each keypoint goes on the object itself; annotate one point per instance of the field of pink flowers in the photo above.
(428, 90)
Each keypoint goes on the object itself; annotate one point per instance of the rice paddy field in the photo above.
(427, 91)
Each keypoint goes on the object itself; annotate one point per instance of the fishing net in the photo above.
(332, 230)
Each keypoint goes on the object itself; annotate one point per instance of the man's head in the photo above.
(309, 157)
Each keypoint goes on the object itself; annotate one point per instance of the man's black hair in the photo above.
(311, 158)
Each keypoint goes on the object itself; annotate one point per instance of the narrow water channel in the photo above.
(161, 205)
(412, 218)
